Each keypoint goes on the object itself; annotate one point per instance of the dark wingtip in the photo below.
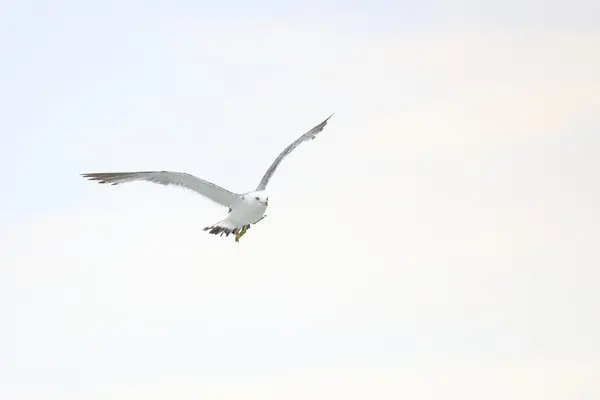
(98, 177)
(322, 124)
(87, 176)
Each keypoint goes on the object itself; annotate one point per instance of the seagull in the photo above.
(245, 209)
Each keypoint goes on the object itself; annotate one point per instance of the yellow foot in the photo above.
(241, 233)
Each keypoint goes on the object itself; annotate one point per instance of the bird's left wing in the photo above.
(307, 136)
(205, 188)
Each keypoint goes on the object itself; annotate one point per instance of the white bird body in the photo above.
(244, 209)
(249, 210)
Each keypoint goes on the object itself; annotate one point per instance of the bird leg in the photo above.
(241, 232)
(244, 229)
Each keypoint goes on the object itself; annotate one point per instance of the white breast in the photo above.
(246, 212)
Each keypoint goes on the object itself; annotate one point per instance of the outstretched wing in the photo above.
(167, 178)
(307, 136)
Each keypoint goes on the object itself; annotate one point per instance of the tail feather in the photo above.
(222, 228)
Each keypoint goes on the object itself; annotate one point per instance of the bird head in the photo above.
(260, 197)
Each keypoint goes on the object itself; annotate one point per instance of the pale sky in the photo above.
(439, 239)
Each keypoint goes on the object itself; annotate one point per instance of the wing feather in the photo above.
(307, 136)
(168, 178)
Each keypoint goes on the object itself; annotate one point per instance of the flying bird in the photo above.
(245, 209)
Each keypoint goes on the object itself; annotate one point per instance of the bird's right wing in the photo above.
(168, 178)
(307, 136)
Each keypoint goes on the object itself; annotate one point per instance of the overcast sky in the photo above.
(439, 239)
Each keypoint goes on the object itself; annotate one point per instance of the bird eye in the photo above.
(257, 199)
